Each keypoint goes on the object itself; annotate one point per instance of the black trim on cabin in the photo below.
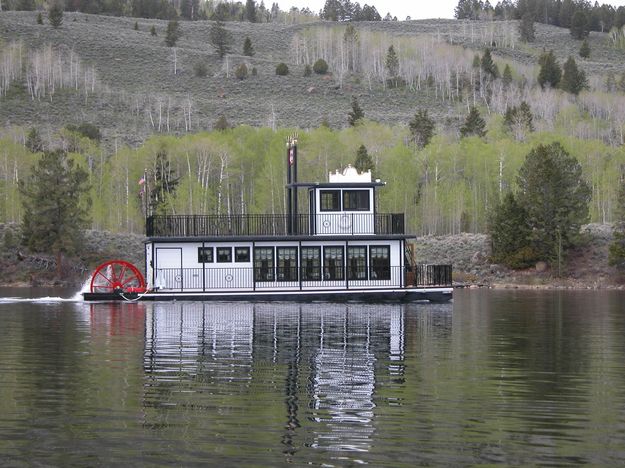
(272, 239)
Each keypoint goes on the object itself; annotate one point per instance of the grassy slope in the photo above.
(133, 65)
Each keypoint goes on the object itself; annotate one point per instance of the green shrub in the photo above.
(200, 69)
(307, 70)
(241, 72)
(320, 67)
(282, 69)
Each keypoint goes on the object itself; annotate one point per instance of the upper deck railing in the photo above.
(323, 224)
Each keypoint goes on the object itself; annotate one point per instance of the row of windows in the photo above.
(352, 200)
(280, 263)
(223, 254)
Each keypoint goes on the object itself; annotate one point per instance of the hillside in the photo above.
(123, 80)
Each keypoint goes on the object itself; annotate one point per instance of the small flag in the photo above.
(142, 180)
(291, 156)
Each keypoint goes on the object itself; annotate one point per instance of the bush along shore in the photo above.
(585, 267)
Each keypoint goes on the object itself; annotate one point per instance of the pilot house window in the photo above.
(355, 200)
(330, 200)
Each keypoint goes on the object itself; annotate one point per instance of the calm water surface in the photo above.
(512, 377)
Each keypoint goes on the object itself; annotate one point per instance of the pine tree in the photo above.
(421, 128)
(39, 18)
(153, 30)
(250, 11)
(474, 124)
(489, 67)
(164, 184)
(526, 27)
(356, 114)
(221, 124)
(248, 49)
(392, 65)
(363, 161)
(550, 72)
(579, 25)
(56, 206)
(220, 38)
(241, 72)
(519, 120)
(320, 67)
(33, 141)
(584, 50)
(173, 33)
(573, 79)
(556, 197)
(510, 234)
(617, 248)
(136, 26)
(507, 77)
(55, 15)
(621, 83)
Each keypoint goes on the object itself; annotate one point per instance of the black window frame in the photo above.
(286, 274)
(268, 275)
(377, 271)
(357, 200)
(336, 200)
(202, 256)
(335, 273)
(223, 249)
(247, 254)
(310, 272)
(364, 271)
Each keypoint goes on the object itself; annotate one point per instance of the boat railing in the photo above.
(275, 225)
(258, 278)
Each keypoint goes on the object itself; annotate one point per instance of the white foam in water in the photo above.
(51, 299)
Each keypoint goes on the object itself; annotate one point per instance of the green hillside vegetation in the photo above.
(146, 98)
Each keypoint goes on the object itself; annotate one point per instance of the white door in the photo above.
(168, 268)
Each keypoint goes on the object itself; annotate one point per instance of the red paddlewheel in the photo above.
(117, 275)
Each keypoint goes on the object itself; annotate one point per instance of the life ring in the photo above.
(178, 278)
(345, 222)
(326, 223)
(228, 277)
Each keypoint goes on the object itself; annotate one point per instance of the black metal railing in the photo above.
(274, 225)
(204, 279)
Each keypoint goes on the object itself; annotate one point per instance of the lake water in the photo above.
(513, 377)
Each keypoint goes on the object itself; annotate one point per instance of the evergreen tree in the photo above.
(526, 28)
(550, 72)
(476, 61)
(556, 197)
(421, 128)
(250, 11)
(282, 69)
(56, 206)
(363, 161)
(507, 76)
(392, 65)
(320, 67)
(621, 83)
(33, 141)
(220, 38)
(241, 72)
(307, 70)
(616, 255)
(136, 26)
(610, 82)
(573, 79)
(519, 120)
(39, 18)
(584, 50)
(55, 15)
(510, 234)
(579, 25)
(153, 30)
(164, 184)
(489, 67)
(474, 124)
(356, 114)
(173, 33)
(248, 49)
(221, 124)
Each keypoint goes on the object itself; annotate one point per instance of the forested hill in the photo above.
(151, 104)
(130, 84)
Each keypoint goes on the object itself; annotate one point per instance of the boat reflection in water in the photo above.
(324, 357)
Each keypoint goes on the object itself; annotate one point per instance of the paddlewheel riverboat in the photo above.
(342, 249)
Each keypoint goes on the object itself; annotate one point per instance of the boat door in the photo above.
(168, 268)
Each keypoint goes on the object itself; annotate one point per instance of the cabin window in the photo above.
(242, 254)
(205, 255)
(311, 263)
(330, 200)
(224, 254)
(380, 261)
(355, 200)
(287, 263)
(263, 264)
(357, 263)
(333, 263)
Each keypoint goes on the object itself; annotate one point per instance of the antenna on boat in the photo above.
(291, 180)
